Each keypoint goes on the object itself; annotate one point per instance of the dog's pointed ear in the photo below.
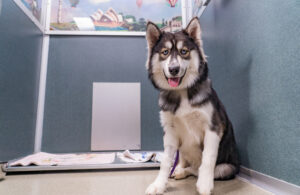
(152, 34)
(193, 29)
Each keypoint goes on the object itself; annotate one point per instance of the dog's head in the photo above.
(175, 60)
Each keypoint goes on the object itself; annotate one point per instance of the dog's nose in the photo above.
(174, 70)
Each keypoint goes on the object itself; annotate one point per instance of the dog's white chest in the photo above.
(191, 124)
(193, 114)
(195, 120)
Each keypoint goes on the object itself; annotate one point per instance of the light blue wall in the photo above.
(253, 48)
(20, 46)
(75, 62)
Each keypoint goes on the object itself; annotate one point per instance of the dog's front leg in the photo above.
(205, 181)
(170, 147)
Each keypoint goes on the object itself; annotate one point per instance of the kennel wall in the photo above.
(20, 54)
(253, 49)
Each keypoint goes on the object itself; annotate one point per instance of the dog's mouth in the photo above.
(174, 82)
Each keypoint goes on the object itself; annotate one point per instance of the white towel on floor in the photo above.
(139, 157)
(43, 158)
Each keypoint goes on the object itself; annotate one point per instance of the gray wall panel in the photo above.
(253, 49)
(20, 46)
(75, 62)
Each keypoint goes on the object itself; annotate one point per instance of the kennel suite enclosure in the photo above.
(53, 53)
(68, 117)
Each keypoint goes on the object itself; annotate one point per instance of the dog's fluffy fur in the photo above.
(194, 119)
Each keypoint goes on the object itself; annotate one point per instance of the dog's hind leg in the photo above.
(192, 171)
(183, 169)
(181, 173)
(225, 171)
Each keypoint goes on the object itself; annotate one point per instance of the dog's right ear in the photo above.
(152, 34)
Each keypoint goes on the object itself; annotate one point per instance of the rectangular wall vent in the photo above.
(116, 117)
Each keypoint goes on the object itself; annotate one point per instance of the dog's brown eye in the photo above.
(165, 52)
(184, 52)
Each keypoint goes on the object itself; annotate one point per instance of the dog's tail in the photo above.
(225, 171)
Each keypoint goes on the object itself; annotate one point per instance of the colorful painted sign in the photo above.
(114, 15)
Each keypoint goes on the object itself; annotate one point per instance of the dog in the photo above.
(194, 120)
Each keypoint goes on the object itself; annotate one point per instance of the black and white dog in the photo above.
(194, 120)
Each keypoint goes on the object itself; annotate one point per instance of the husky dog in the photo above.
(193, 118)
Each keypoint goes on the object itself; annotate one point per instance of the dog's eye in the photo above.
(165, 52)
(184, 52)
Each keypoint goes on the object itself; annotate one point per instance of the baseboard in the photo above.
(271, 184)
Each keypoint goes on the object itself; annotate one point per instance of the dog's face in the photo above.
(175, 59)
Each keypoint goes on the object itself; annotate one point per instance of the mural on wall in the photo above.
(115, 15)
(34, 6)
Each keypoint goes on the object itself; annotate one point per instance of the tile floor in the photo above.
(112, 183)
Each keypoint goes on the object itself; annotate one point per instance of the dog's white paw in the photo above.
(205, 185)
(155, 188)
(179, 173)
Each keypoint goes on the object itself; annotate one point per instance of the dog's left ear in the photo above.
(194, 31)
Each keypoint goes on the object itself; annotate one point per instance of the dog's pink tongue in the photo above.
(173, 82)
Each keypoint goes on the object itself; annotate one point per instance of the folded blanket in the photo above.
(139, 157)
(43, 158)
